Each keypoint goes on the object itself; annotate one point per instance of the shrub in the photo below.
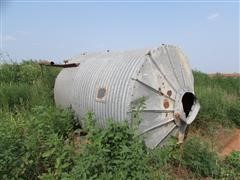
(230, 166)
(112, 153)
(29, 72)
(233, 160)
(234, 113)
(33, 143)
(199, 159)
(12, 147)
(162, 160)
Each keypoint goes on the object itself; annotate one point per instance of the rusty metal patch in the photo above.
(166, 103)
(169, 93)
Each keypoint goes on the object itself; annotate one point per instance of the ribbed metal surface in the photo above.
(112, 71)
(162, 75)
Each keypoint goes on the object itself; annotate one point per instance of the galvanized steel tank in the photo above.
(109, 84)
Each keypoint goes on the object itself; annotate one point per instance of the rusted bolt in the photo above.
(160, 91)
(169, 93)
(165, 104)
(177, 115)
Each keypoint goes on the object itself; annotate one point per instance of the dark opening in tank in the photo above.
(188, 101)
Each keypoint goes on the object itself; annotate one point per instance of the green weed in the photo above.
(112, 153)
(199, 159)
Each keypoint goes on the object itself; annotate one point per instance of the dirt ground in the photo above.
(231, 144)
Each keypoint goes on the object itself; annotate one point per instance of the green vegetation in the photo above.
(113, 153)
(198, 158)
(219, 98)
(38, 140)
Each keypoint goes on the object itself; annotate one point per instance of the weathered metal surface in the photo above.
(109, 83)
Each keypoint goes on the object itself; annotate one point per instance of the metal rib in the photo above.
(183, 76)
(154, 111)
(153, 89)
(157, 111)
(168, 132)
(159, 69)
(156, 126)
(170, 60)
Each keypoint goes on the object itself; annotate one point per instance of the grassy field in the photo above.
(40, 141)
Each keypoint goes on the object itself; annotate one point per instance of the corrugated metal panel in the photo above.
(162, 75)
(112, 71)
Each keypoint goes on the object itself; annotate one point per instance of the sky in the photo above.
(207, 32)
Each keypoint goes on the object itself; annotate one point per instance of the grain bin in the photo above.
(110, 83)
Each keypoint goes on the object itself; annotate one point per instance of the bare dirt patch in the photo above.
(232, 144)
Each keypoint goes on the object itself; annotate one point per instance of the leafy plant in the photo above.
(230, 166)
(114, 153)
(233, 160)
(137, 107)
(234, 113)
(198, 158)
(34, 143)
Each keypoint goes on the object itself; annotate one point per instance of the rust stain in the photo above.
(160, 91)
(165, 104)
(169, 93)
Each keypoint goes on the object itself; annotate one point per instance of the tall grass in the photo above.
(26, 85)
(219, 98)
